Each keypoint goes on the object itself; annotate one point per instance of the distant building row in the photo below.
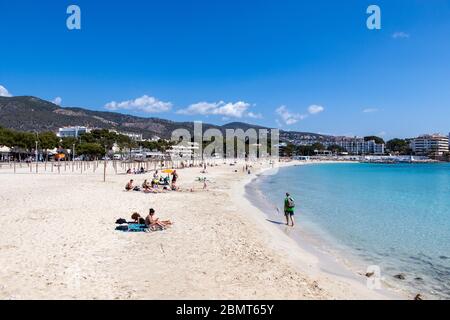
(76, 131)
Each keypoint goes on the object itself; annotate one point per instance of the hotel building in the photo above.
(73, 132)
(434, 145)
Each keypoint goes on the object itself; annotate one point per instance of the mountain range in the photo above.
(25, 113)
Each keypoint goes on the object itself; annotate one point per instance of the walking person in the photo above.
(289, 209)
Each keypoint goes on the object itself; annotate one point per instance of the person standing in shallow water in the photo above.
(289, 209)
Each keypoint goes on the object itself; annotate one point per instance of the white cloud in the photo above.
(315, 109)
(400, 35)
(254, 115)
(370, 110)
(232, 110)
(288, 117)
(145, 104)
(57, 100)
(4, 92)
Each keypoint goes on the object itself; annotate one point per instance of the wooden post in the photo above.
(104, 170)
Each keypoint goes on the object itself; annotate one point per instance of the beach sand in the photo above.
(58, 241)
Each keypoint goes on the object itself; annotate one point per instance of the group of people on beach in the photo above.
(157, 184)
(141, 170)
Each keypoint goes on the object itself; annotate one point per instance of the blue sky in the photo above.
(302, 65)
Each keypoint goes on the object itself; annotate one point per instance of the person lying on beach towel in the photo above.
(135, 217)
(154, 223)
(136, 225)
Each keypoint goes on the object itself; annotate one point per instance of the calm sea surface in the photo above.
(394, 216)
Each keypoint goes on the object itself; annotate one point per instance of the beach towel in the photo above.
(133, 227)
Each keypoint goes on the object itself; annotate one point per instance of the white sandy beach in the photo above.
(58, 241)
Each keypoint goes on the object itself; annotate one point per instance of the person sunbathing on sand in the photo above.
(146, 186)
(129, 186)
(136, 217)
(154, 223)
(154, 187)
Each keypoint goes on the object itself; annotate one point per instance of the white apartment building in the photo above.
(132, 136)
(358, 145)
(73, 132)
(430, 144)
(186, 151)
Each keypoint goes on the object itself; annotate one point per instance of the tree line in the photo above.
(94, 144)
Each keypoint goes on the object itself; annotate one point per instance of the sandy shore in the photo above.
(59, 242)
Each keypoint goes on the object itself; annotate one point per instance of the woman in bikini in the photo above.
(154, 223)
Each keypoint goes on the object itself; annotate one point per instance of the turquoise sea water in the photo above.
(394, 216)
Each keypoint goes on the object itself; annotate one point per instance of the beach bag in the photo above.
(121, 221)
(290, 202)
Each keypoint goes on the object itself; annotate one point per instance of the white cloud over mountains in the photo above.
(290, 118)
(227, 110)
(57, 101)
(145, 104)
(4, 92)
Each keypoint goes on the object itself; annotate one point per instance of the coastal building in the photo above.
(184, 151)
(430, 144)
(357, 145)
(4, 153)
(133, 136)
(350, 145)
(73, 132)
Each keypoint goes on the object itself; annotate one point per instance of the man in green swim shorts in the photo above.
(289, 209)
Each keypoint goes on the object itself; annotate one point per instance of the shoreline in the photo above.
(322, 263)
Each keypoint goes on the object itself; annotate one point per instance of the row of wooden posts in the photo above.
(92, 166)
